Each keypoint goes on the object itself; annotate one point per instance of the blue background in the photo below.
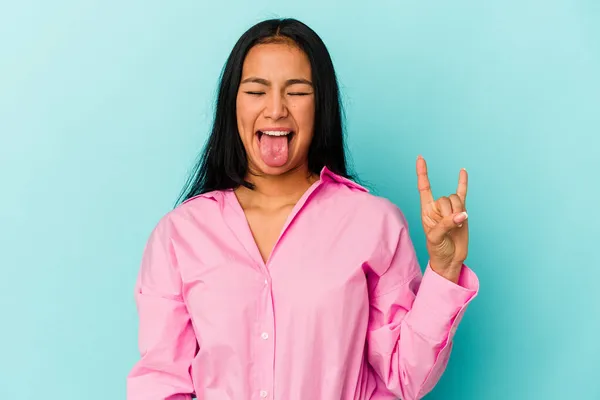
(104, 106)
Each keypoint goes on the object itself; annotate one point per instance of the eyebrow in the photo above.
(289, 82)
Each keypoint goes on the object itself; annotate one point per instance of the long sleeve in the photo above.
(167, 342)
(413, 316)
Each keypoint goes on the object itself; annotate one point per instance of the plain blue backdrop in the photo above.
(104, 106)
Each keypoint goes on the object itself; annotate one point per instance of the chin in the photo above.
(274, 171)
(260, 168)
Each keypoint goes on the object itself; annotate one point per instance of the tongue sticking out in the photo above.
(274, 150)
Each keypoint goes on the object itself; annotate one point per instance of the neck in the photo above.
(274, 191)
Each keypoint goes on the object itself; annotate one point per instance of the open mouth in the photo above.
(288, 134)
(274, 146)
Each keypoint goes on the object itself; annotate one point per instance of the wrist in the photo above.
(450, 271)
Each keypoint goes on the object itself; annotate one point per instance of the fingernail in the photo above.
(460, 218)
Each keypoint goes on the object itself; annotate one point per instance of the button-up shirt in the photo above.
(340, 311)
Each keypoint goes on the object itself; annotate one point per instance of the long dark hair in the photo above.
(223, 163)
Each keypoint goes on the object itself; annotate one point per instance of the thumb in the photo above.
(453, 221)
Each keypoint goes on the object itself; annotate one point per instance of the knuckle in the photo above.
(444, 200)
(456, 201)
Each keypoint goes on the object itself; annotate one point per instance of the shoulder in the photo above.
(197, 209)
(381, 226)
(387, 215)
(358, 200)
(204, 205)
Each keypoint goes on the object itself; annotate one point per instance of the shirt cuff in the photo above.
(440, 303)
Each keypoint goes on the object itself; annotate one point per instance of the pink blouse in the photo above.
(340, 311)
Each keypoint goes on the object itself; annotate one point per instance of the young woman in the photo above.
(279, 277)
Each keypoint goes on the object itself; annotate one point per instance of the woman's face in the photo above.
(276, 108)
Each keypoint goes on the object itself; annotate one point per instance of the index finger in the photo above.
(463, 182)
(423, 182)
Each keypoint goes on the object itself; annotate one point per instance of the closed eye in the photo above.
(255, 93)
(299, 94)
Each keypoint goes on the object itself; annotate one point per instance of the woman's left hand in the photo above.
(445, 224)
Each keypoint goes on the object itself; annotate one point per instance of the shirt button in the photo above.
(263, 393)
(266, 282)
(264, 335)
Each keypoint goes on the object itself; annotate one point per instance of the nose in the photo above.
(276, 107)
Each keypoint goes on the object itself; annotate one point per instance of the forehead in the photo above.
(276, 59)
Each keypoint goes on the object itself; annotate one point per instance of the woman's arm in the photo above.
(167, 342)
(413, 317)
